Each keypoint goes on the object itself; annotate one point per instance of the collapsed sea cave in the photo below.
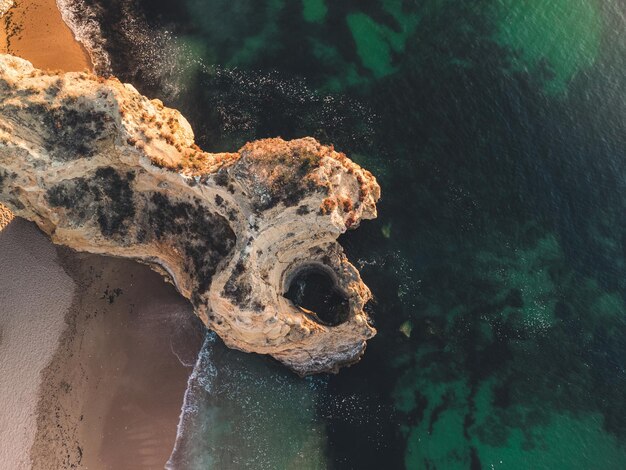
(138, 194)
(314, 289)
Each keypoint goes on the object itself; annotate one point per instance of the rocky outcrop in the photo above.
(101, 168)
(5, 216)
(5, 5)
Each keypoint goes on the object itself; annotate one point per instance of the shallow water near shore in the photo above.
(498, 133)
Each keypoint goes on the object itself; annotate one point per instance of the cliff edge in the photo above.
(101, 168)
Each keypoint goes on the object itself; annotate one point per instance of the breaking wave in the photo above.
(129, 46)
(82, 19)
(200, 381)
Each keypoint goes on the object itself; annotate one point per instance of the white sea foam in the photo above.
(203, 375)
(156, 55)
(83, 22)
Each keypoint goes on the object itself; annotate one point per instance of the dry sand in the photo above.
(95, 357)
(35, 31)
(35, 294)
(90, 347)
(112, 395)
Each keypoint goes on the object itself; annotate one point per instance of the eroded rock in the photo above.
(101, 168)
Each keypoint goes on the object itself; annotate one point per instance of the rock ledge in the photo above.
(103, 169)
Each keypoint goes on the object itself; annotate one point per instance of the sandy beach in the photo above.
(95, 352)
(35, 294)
(34, 30)
(111, 396)
(32, 283)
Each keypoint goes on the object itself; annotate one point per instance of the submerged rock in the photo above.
(406, 328)
(103, 169)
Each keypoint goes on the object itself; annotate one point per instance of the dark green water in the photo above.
(497, 129)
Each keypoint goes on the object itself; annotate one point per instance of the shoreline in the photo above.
(112, 394)
(32, 280)
(26, 31)
(96, 358)
(107, 385)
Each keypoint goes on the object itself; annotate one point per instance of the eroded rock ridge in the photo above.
(103, 169)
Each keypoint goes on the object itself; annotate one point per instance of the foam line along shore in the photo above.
(35, 30)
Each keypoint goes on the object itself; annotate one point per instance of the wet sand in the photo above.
(34, 30)
(95, 352)
(111, 397)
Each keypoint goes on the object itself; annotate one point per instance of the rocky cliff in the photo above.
(101, 168)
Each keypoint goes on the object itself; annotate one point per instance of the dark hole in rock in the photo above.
(315, 291)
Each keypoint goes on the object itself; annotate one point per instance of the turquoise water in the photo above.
(242, 412)
(497, 129)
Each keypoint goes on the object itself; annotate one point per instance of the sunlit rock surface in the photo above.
(5, 216)
(101, 168)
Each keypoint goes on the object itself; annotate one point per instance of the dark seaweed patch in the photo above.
(54, 89)
(68, 194)
(438, 410)
(474, 459)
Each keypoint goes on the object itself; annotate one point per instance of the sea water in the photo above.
(497, 129)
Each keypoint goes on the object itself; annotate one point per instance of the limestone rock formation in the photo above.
(101, 168)
(5, 216)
